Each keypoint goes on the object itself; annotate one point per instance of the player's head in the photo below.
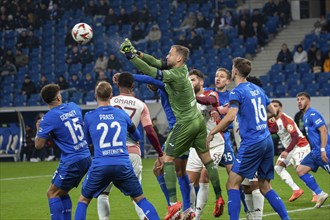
(303, 101)
(103, 91)
(51, 94)
(177, 56)
(254, 80)
(277, 105)
(241, 67)
(197, 79)
(126, 80)
(222, 78)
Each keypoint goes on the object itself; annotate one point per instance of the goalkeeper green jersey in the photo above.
(180, 93)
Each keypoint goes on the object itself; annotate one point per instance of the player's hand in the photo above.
(160, 162)
(127, 48)
(284, 154)
(214, 115)
(115, 79)
(209, 139)
(324, 157)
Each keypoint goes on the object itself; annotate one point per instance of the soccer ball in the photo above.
(82, 33)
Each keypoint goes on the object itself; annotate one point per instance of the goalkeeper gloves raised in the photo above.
(128, 49)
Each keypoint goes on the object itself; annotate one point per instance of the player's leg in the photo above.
(81, 210)
(234, 203)
(308, 164)
(183, 180)
(137, 166)
(159, 173)
(247, 198)
(265, 174)
(56, 207)
(257, 198)
(103, 204)
(203, 193)
(280, 169)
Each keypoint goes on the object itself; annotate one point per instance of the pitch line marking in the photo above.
(24, 177)
(290, 211)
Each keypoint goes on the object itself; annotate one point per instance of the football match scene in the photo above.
(164, 109)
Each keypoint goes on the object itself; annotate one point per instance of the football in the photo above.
(82, 33)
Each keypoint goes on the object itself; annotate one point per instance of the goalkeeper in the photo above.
(189, 129)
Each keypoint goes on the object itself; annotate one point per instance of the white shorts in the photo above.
(195, 164)
(296, 155)
(137, 165)
(247, 181)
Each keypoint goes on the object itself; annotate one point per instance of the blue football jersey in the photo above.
(106, 128)
(252, 115)
(313, 120)
(162, 94)
(64, 123)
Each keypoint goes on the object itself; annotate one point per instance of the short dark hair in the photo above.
(277, 101)
(197, 73)
(306, 94)
(49, 93)
(254, 80)
(126, 80)
(103, 91)
(226, 71)
(243, 66)
(183, 51)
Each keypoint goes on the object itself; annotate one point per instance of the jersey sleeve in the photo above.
(234, 97)
(317, 119)
(148, 79)
(86, 130)
(46, 126)
(145, 116)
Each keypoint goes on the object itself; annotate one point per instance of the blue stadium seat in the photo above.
(294, 89)
(278, 79)
(324, 91)
(280, 91)
(268, 89)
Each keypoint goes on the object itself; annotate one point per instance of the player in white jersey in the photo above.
(138, 112)
(196, 171)
(254, 200)
(295, 144)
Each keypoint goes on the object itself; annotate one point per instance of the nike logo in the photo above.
(312, 113)
(172, 145)
(238, 161)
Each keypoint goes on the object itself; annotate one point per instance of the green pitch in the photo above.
(23, 189)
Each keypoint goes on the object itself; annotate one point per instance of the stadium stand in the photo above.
(49, 58)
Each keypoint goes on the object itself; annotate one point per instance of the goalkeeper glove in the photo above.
(128, 49)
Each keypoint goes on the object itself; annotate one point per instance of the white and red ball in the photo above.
(82, 33)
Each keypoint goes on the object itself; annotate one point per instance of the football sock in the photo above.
(56, 208)
(103, 206)
(258, 200)
(148, 209)
(234, 203)
(184, 184)
(249, 202)
(192, 196)
(81, 211)
(311, 183)
(162, 184)
(212, 171)
(243, 198)
(202, 197)
(139, 211)
(286, 177)
(170, 180)
(276, 202)
(67, 205)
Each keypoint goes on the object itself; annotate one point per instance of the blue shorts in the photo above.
(122, 176)
(228, 156)
(68, 176)
(258, 157)
(314, 162)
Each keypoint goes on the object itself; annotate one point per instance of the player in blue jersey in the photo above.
(319, 140)
(63, 123)
(106, 128)
(249, 102)
(183, 179)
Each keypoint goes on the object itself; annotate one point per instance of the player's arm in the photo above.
(152, 61)
(271, 111)
(148, 80)
(39, 142)
(227, 120)
(324, 139)
(154, 141)
(133, 132)
(207, 100)
(86, 130)
(290, 127)
(272, 125)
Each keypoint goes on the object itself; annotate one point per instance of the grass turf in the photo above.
(23, 189)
